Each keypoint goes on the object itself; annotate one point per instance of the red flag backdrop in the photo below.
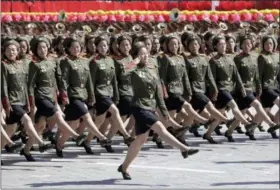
(84, 6)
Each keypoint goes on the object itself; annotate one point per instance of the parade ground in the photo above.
(243, 164)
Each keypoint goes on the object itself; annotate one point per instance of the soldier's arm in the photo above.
(160, 101)
(211, 81)
(258, 83)
(163, 67)
(213, 69)
(90, 90)
(115, 90)
(261, 66)
(187, 85)
(32, 74)
(4, 87)
(238, 81)
(93, 69)
(58, 74)
(65, 73)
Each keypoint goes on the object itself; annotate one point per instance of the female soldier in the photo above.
(153, 65)
(231, 49)
(14, 94)
(90, 46)
(176, 82)
(231, 41)
(268, 63)
(24, 53)
(210, 50)
(102, 70)
(225, 74)
(155, 46)
(246, 63)
(76, 89)
(124, 65)
(147, 96)
(42, 89)
(199, 73)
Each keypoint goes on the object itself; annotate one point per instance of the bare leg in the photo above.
(134, 149)
(189, 109)
(215, 113)
(237, 113)
(167, 137)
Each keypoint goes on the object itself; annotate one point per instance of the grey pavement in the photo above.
(243, 164)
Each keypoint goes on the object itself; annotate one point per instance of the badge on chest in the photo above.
(43, 69)
(142, 74)
(102, 66)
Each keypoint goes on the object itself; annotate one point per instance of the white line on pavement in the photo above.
(164, 168)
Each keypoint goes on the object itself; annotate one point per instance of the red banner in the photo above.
(84, 6)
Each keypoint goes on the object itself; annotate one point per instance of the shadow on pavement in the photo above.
(247, 183)
(96, 182)
(250, 162)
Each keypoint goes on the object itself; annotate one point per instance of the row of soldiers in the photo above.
(137, 87)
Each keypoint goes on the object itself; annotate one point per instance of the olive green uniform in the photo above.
(248, 70)
(14, 94)
(268, 64)
(76, 80)
(227, 79)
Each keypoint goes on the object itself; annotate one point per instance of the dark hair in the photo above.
(216, 41)
(8, 43)
(122, 38)
(98, 39)
(185, 36)
(67, 43)
(171, 38)
(228, 37)
(113, 39)
(57, 41)
(87, 39)
(243, 38)
(22, 39)
(265, 38)
(35, 43)
(136, 47)
(191, 39)
(208, 35)
(145, 37)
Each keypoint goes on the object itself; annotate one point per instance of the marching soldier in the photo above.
(147, 96)
(200, 74)
(42, 89)
(175, 79)
(102, 70)
(268, 63)
(226, 75)
(246, 63)
(14, 94)
(76, 90)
